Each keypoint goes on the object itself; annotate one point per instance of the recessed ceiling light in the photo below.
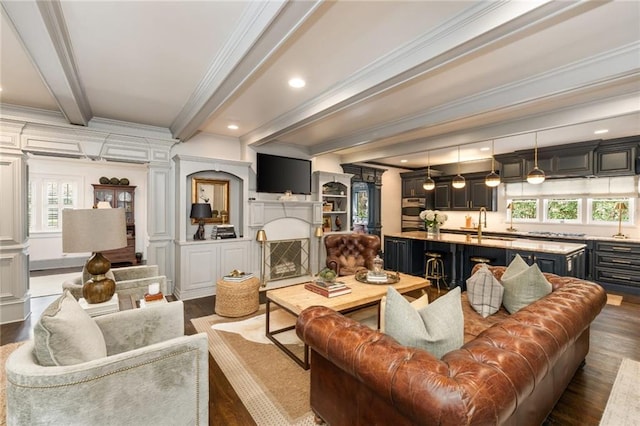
(484, 148)
(601, 131)
(297, 83)
(232, 127)
(403, 161)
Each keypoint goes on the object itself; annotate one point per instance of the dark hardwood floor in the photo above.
(615, 334)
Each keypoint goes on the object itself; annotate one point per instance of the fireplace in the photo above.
(291, 249)
(286, 259)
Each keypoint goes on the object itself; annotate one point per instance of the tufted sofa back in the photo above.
(347, 253)
(512, 373)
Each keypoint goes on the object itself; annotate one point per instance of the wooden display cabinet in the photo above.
(120, 196)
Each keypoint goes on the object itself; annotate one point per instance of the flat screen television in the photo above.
(278, 174)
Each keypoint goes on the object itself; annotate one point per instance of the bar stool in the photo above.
(435, 269)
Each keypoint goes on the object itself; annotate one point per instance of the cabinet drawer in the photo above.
(621, 249)
(616, 276)
(611, 260)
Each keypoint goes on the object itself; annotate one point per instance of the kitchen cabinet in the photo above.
(474, 195)
(412, 187)
(563, 161)
(617, 265)
(404, 255)
(571, 265)
(442, 195)
(120, 196)
(617, 157)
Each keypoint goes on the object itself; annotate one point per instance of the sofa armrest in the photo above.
(135, 272)
(139, 286)
(128, 388)
(136, 328)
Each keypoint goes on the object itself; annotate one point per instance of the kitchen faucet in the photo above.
(482, 209)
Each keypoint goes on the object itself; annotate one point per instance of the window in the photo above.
(563, 210)
(360, 203)
(46, 198)
(603, 210)
(526, 210)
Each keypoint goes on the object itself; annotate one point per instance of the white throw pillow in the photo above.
(523, 286)
(67, 335)
(484, 292)
(438, 327)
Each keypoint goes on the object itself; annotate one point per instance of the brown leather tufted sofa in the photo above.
(347, 253)
(512, 373)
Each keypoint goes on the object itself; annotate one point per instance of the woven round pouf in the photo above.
(235, 299)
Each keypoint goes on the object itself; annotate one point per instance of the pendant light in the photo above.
(429, 183)
(492, 180)
(458, 181)
(535, 176)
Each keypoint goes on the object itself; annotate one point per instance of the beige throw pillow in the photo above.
(418, 303)
(523, 285)
(67, 335)
(437, 328)
(484, 292)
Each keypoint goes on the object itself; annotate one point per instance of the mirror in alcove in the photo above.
(216, 193)
(360, 203)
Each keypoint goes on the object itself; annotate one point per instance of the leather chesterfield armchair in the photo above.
(348, 253)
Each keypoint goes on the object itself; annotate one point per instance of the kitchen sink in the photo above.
(494, 238)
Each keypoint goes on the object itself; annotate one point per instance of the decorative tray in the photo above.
(392, 278)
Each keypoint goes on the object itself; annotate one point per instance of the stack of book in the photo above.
(238, 277)
(328, 289)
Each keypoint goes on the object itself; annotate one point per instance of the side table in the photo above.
(237, 299)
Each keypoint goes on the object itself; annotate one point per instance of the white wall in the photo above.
(48, 245)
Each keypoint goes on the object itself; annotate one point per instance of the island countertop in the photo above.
(506, 243)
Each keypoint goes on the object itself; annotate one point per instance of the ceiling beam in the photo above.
(479, 27)
(41, 28)
(599, 71)
(263, 28)
(616, 106)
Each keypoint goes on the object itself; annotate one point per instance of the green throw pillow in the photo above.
(437, 328)
(523, 286)
(418, 303)
(67, 335)
(484, 292)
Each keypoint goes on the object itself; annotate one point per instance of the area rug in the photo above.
(614, 299)
(48, 285)
(623, 406)
(273, 388)
(5, 351)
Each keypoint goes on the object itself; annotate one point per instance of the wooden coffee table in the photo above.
(295, 299)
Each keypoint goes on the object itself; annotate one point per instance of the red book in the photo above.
(326, 292)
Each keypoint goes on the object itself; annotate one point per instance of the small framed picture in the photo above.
(326, 224)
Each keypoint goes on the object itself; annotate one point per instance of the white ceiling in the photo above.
(386, 80)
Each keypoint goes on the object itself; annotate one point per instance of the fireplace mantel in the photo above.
(262, 212)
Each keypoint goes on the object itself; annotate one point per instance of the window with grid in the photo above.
(47, 197)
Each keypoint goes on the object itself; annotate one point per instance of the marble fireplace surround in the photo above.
(286, 220)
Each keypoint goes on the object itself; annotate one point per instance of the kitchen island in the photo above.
(405, 252)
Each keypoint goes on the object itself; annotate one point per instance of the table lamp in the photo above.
(200, 211)
(620, 207)
(511, 228)
(94, 230)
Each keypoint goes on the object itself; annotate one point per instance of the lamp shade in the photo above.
(201, 211)
(428, 184)
(93, 230)
(319, 232)
(620, 206)
(261, 236)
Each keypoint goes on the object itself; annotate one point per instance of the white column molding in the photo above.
(15, 302)
(160, 213)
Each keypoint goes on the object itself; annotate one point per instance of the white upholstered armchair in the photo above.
(130, 281)
(151, 374)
